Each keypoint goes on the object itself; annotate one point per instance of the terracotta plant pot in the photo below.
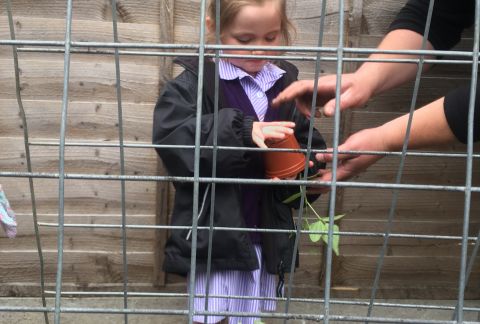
(284, 164)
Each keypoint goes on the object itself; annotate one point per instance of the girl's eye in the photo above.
(243, 40)
(271, 38)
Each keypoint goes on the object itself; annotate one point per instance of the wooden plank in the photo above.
(86, 160)
(310, 269)
(375, 204)
(49, 29)
(84, 268)
(398, 246)
(369, 247)
(162, 207)
(358, 224)
(403, 271)
(78, 54)
(453, 227)
(131, 11)
(90, 239)
(417, 248)
(81, 197)
(32, 289)
(407, 292)
(89, 81)
(87, 121)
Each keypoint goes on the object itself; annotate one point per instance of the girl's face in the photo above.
(255, 25)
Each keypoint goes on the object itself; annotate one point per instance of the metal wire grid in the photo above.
(67, 47)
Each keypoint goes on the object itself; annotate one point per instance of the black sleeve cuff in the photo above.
(456, 106)
(247, 131)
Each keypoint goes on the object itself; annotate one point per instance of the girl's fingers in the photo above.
(259, 139)
(281, 124)
(277, 132)
(260, 143)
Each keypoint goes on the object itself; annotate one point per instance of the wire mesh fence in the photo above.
(323, 304)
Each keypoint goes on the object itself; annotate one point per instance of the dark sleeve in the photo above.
(456, 106)
(302, 128)
(449, 19)
(174, 123)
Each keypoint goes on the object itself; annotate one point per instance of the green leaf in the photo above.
(306, 225)
(325, 238)
(336, 239)
(317, 226)
(335, 218)
(292, 198)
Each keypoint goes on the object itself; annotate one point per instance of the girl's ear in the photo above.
(210, 24)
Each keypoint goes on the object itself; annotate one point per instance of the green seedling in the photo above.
(321, 225)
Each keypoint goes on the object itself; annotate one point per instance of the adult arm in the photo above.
(431, 125)
(449, 18)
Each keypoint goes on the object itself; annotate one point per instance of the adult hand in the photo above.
(262, 131)
(350, 165)
(354, 93)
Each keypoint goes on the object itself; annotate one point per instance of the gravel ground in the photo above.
(412, 313)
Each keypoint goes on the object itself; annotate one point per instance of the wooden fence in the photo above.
(413, 268)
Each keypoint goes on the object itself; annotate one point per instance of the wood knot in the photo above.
(122, 13)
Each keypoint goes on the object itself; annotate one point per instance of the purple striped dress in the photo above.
(250, 284)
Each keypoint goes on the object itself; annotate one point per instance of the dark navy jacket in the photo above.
(174, 124)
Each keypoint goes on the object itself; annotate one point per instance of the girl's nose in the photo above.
(257, 52)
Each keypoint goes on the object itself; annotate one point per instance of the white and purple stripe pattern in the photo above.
(251, 284)
(255, 87)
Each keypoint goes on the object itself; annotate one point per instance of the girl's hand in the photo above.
(262, 131)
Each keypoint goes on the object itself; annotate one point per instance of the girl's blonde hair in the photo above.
(230, 8)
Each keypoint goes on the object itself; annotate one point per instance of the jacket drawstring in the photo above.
(281, 278)
(201, 210)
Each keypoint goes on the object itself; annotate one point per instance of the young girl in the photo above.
(242, 263)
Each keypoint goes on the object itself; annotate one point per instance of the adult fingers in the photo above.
(329, 108)
(296, 89)
(350, 98)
